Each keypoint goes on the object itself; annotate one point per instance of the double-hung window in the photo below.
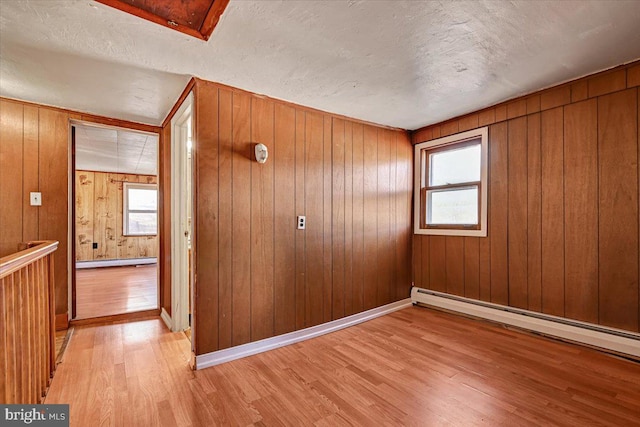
(140, 209)
(451, 185)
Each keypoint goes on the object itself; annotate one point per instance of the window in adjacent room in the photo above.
(140, 209)
(451, 185)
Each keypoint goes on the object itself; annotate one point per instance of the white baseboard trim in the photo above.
(166, 318)
(115, 263)
(244, 350)
(603, 337)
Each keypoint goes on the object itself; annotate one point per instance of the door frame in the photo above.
(181, 230)
(117, 124)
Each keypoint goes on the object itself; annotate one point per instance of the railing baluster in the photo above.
(27, 323)
(4, 375)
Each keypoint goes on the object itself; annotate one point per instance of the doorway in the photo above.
(115, 221)
(182, 224)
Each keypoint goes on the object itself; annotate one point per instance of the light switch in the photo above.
(302, 222)
(36, 199)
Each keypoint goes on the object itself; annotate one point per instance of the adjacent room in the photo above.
(116, 221)
(238, 212)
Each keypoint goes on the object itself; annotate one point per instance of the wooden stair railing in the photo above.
(27, 323)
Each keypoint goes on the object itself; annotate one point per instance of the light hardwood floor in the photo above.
(107, 291)
(413, 367)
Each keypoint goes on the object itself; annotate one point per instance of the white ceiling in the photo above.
(116, 150)
(399, 63)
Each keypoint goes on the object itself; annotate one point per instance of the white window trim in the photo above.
(125, 208)
(483, 134)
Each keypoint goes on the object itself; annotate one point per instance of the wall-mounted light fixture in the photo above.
(261, 153)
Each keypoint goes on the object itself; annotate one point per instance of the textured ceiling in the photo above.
(399, 63)
(116, 150)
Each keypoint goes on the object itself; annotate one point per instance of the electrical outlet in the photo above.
(95, 246)
(302, 222)
(36, 198)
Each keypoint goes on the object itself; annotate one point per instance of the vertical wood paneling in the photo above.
(104, 219)
(552, 212)
(262, 220)
(498, 188)
(384, 220)
(352, 182)
(393, 221)
(338, 218)
(11, 146)
(99, 218)
(416, 260)
(570, 240)
(348, 218)
(607, 83)
(241, 227)
(425, 257)
(581, 211)
(403, 231)
(314, 211)
(125, 244)
(618, 209)
(206, 218)
(534, 216)
(225, 214)
(358, 269)
(437, 263)
(472, 267)
(485, 261)
(517, 212)
(53, 131)
(485, 243)
(300, 236)
(285, 219)
(370, 217)
(31, 151)
(454, 265)
(555, 97)
(84, 215)
(327, 295)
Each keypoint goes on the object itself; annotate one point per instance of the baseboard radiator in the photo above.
(609, 339)
(115, 262)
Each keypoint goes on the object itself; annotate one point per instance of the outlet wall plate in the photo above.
(302, 222)
(35, 198)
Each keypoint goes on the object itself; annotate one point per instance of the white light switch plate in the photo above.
(36, 199)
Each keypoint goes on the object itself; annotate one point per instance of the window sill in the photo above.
(450, 232)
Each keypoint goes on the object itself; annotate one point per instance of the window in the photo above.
(140, 209)
(451, 185)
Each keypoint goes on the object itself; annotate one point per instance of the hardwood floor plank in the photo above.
(107, 291)
(416, 366)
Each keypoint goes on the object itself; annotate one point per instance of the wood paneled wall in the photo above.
(34, 156)
(563, 205)
(99, 218)
(257, 275)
